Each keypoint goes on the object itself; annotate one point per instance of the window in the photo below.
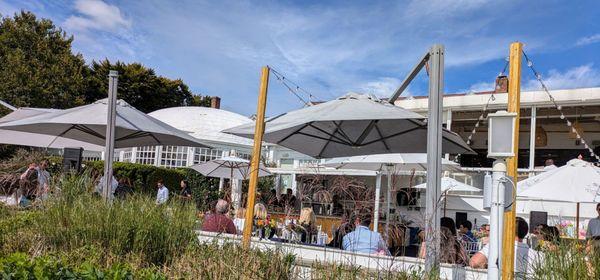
(145, 155)
(308, 162)
(206, 154)
(126, 156)
(174, 156)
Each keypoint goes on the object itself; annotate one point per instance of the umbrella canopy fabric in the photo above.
(577, 181)
(450, 184)
(351, 125)
(88, 124)
(381, 161)
(228, 167)
(35, 139)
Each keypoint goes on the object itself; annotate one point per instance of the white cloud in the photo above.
(98, 15)
(479, 87)
(382, 87)
(588, 40)
(577, 77)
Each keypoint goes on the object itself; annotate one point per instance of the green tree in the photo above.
(37, 66)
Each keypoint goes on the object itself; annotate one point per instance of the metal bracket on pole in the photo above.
(109, 148)
(411, 75)
(434, 158)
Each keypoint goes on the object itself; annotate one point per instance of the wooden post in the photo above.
(514, 106)
(577, 222)
(255, 161)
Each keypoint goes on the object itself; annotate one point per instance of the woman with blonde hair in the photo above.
(308, 221)
(240, 217)
(260, 211)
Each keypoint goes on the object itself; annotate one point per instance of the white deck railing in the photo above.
(307, 255)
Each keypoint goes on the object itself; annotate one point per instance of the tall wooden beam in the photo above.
(255, 161)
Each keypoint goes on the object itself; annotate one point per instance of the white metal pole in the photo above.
(434, 160)
(533, 123)
(109, 148)
(377, 202)
(388, 194)
(496, 220)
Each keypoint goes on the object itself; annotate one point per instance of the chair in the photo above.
(472, 247)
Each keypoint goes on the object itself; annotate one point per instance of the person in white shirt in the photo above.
(525, 257)
(240, 217)
(102, 183)
(593, 230)
(549, 165)
(163, 193)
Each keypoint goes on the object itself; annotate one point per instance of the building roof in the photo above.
(475, 101)
(205, 123)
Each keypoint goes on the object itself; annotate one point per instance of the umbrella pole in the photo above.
(388, 202)
(577, 222)
(377, 202)
(109, 148)
(445, 202)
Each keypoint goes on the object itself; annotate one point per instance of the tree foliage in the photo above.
(39, 69)
(37, 66)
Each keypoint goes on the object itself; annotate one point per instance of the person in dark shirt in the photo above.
(123, 190)
(186, 192)
(218, 221)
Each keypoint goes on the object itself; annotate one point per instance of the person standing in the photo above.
(593, 230)
(186, 192)
(162, 196)
(43, 178)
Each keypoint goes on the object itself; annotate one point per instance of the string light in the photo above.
(573, 129)
(292, 87)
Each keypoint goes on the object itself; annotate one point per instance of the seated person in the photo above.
(308, 221)
(240, 218)
(396, 239)
(363, 240)
(525, 257)
(464, 228)
(289, 199)
(339, 233)
(123, 189)
(218, 221)
(451, 249)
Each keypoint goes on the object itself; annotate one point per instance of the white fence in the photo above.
(306, 256)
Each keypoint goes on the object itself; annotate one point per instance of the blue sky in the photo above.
(330, 48)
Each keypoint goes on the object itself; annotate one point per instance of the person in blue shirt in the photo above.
(464, 228)
(363, 240)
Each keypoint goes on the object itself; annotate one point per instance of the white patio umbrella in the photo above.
(450, 185)
(349, 126)
(386, 163)
(577, 181)
(88, 124)
(35, 139)
(228, 167)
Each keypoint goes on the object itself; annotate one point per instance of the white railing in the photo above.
(306, 256)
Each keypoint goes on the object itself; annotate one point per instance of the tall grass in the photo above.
(568, 262)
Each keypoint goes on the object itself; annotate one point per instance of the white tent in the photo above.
(228, 167)
(577, 181)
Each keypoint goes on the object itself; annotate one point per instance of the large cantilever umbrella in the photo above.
(349, 126)
(35, 139)
(450, 185)
(88, 124)
(386, 163)
(577, 181)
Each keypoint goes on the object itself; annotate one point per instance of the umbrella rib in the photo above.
(393, 135)
(337, 127)
(60, 135)
(342, 132)
(366, 132)
(323, 138)
(296, 131)
(348, 142)
(381, 137)
(88, 130)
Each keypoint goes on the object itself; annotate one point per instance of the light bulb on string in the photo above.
(568, 123)
(529, 63)
(562, 117)
(559, 107)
